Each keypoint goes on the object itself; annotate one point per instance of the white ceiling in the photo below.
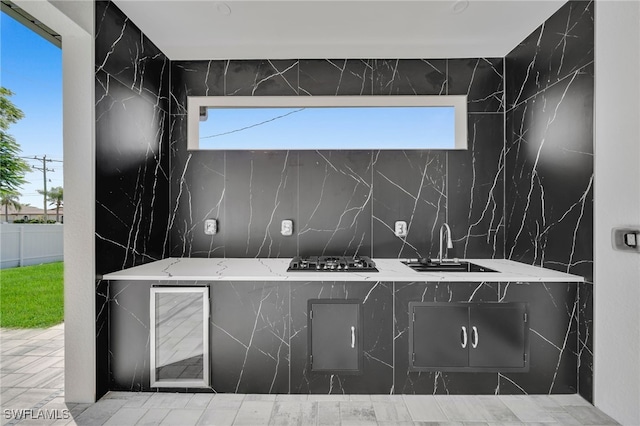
(305, 29)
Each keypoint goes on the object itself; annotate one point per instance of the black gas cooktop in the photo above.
(332, 264)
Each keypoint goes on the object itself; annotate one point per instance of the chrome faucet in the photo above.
(445, 232)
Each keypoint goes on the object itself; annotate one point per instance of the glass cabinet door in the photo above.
(179, 336)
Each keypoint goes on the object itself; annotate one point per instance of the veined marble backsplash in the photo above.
(549, 158)
(341, 202)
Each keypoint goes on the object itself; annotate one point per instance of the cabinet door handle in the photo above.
(474, 337)
(463, 336)
(353, 337)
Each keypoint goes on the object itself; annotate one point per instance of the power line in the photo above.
(35, 157)
(253, 125)
(44, 171)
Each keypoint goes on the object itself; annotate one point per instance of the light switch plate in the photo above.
(286, 228)
(401, 228)
(210, 226)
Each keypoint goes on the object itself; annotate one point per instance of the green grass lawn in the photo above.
(32, 296)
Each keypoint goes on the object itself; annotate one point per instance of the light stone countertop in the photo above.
(243, 269)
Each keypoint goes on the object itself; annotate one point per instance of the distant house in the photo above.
(27, 213)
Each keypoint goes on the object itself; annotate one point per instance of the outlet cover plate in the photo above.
(210, 226)
(400, 228)
(286, 228)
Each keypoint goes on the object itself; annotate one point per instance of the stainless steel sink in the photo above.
(429, 265)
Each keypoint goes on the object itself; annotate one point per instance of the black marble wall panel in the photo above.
(335, 190)
(259, 337)
(408, 382)
(409, 186)
(377, 366)
(549, 156)
(411, 77)
(585, 340)
(250, 337)
(335, 77)
(102, 338)
(132, 168)
(476, 191)
(553, 336)
(341, 202)
(129, 335)
(132, 162)
(481, 79)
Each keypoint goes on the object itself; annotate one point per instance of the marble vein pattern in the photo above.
(243, 269)
(132, 119)
(341, 202)
(259, 337)
(549, 157)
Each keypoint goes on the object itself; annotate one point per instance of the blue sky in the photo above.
(31, 67)
(329, 128)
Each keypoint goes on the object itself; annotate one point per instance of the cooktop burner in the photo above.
(332, 264)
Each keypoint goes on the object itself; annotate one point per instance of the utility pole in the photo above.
(44, 171)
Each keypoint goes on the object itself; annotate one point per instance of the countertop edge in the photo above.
(268, 270)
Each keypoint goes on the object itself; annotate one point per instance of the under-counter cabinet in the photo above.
(468, 336)
(179, 337)
(335, 329)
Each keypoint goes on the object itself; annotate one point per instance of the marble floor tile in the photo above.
(492, 408)
(226, 402)
(40, 365)
(153, 417)
(357, 413)
(589, 415)
(217, 417)
(259, 397)
(31, 380)
(358, 397)
(331, 397)
(393, 412)
(460, 408)
(126, 416)
(31, 398)
(182, 417)
(200, 400)
(167, 400)
(564, 418)
(547, 403)
(328, 413)
(424, 408)
(294, 397)
(100, 412)
(569, 400)
(137, 400)
(287, 413)
(526, 409)
(253, 413)
(7, 394)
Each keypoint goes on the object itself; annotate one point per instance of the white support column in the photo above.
(617, 204)
(75, 26)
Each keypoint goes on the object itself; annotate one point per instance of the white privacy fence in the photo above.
(30, 244)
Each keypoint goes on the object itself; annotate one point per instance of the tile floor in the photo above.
(32, 380)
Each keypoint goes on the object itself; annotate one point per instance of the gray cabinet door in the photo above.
(335, 335)
(497, 335)
(439, 336)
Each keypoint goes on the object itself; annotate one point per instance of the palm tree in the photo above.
(10, 198)
(54, 196)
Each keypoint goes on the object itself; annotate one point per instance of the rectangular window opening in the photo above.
(327, 122)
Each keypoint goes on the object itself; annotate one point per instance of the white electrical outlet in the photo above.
(210, 226)
(401, 228)
(286, 228)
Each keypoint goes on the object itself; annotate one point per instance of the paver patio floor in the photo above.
(32, 388)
